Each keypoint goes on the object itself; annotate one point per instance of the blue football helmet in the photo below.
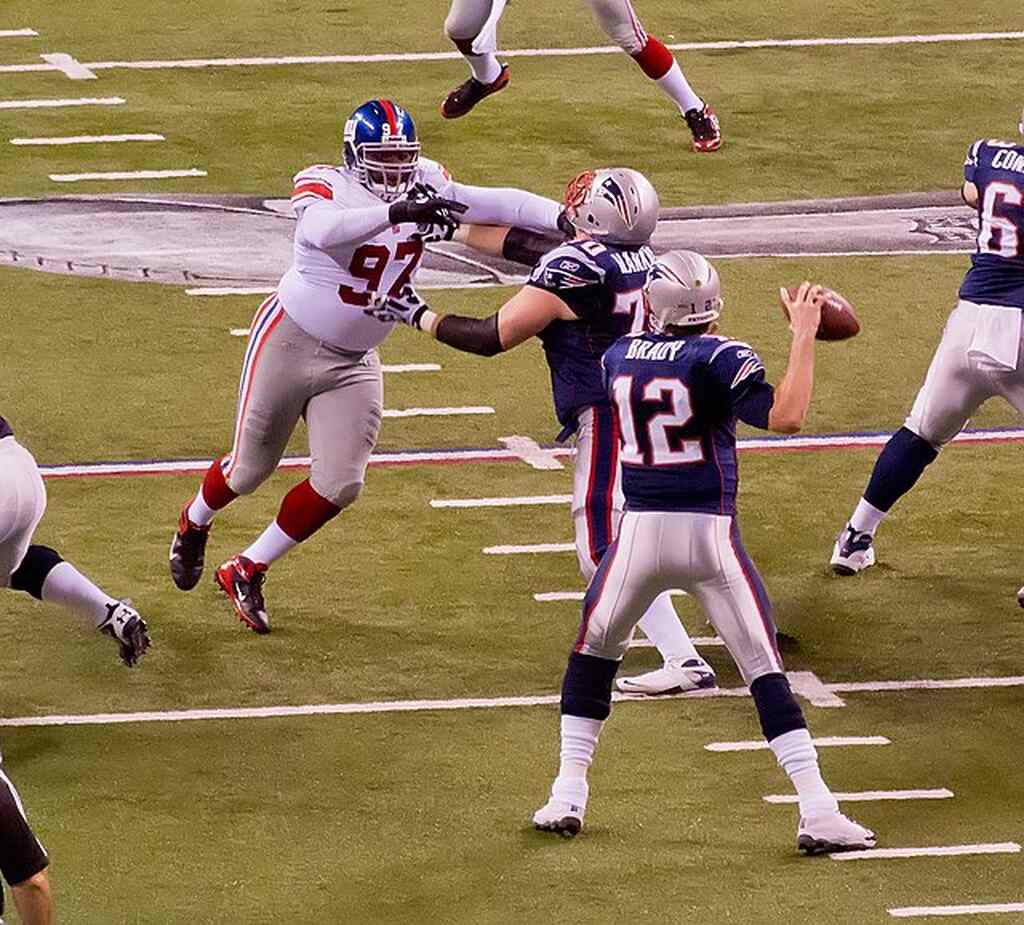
(381, 148)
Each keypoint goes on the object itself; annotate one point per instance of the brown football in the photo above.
(838, 319)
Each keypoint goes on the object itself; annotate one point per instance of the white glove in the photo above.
(404, 308)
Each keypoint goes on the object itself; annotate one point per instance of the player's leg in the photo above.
(23, 861)
(597, 508)
(623, 587)
(40, 571)
(272, 392)
(951, 393)
(730, 589)
(472, 26)
(622, 26)
(343, 419)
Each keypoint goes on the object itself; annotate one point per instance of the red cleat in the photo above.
(241, 580)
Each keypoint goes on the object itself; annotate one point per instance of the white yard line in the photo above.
(87, 139)
(529, 549)
(56, 104)
(913, 912)
(944, 685)
(436, 412)
(231, 290)
(531, 452)
(68, 65)
(810, 686)
(727, 45)
(701, 641)
(126, 175)
(873, 854)
(548, 596)
(410, 368)
(514, 501)
(16, 33)
(756, 745)
(870, 796)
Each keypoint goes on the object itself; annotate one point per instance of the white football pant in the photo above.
(22, 503)
(978, 358)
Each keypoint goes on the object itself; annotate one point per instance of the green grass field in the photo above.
(423, 817)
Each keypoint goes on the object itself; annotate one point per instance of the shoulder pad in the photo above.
(313, 183)
(567, 267)
(738, 362)
(432, 174)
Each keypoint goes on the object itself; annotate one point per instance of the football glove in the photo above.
(404, 308)
(437, 218)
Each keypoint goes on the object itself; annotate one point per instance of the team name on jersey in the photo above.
(1008, 159)
(637, 261)
(646, 350)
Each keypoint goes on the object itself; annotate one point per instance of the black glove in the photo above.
(427, 212)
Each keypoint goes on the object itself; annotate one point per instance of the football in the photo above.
(838, 319)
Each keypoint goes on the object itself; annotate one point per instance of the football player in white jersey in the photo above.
(472, 26)
(312, 349)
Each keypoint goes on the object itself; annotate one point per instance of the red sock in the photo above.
(216, 493)
(654, 58)
(303, 512)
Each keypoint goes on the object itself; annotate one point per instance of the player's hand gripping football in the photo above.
(437, 218)
(404, 308)
(804, 308)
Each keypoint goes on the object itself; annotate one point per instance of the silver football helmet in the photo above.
(613, 204)
(682, 289)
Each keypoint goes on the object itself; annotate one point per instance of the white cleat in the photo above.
(853, 552)
(832, 832)
(560, 816)
(678, 676)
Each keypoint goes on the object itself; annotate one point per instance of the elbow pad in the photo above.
(473, 335)
(527, 247)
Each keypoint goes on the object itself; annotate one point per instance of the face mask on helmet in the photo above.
(381, 149)
(683, 289)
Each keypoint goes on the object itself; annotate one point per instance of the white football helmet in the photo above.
(682, 289)
(613, 204)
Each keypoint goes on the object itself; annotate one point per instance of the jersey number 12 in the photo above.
(659, 444)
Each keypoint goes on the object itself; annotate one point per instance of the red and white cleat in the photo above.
(707, 133)
(241, 580)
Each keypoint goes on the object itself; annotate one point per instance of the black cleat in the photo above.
(124, 624)
(241, 580)
(466, 95)
(188, 549)
(703, 125)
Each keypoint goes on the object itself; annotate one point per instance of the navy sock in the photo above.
(587, 686)
(776, 706)
(898, 467)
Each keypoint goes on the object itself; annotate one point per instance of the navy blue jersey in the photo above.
(603, 286)
(5, 429)
(996, 276)
(678, 399)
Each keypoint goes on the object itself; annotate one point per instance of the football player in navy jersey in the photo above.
(678, 390)
(582, 295)
(978, 357)
(23, 860)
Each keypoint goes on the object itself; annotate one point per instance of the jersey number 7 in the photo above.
(659, 444)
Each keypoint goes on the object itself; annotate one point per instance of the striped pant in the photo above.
(703, 555)
(22, 504)
(21, 854)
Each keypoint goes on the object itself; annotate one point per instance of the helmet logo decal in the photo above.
(615, 194)
(577, 191)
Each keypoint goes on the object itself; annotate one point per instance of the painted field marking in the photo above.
(728, 45)
(870, 796)
(452, 457)
(411, 706)
(68, 65)
(55, 104)
(16, 33)
(810, 686)
(436, 412)
(232, 290)
(410, 367)
(549, 596)
(872, 854)
(127, 175)
(702, 641)
(531, 452)
(943, 685)
(911, 912)
(514, 501)
(529, 549)
(88, 139)
(755, 745)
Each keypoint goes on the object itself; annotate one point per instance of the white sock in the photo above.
(199, 512)
(271, 544)
(67, 586)
(661, 624)
(485, 67)
(866, 517)
(676, 86)
(579, 740)
(798, 757)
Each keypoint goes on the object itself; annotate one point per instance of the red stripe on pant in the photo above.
(594, 593)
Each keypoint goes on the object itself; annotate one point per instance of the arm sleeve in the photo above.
(490, 206)
(325, 224)
(471, 335)
(738, 376)
(971, 162)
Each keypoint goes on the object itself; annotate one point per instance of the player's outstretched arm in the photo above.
(519, 245)
(793, 393)
(506, 206)
(327, 224)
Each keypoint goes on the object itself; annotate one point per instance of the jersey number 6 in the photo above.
(661, 444)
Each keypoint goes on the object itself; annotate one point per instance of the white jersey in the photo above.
(326, 290)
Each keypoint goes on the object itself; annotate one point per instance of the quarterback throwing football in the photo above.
(312, 349)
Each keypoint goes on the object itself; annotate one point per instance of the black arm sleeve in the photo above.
(527, 247)
(473, 335)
